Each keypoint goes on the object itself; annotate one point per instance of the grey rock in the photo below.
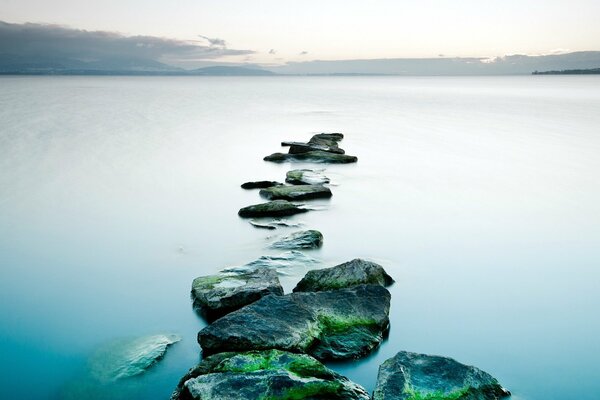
(274, 224)
(296, 192)
(286, 263)
(409, 376)
(348, 274)
(341, 324)
(269, 374)
(310, 239)
(216, 295)
(259, 184)
(306, 177)
(316, 156)
(277, 208)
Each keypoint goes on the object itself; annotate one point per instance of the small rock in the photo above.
(306, 177)
(310, 239)
(277, 208)
(269, 374)
(410, 376)
(287, 263)
(217, 295)
(259, 184)
(351, 273)
(296, 192)
(274, 224)
(341, 324)
(316, 156)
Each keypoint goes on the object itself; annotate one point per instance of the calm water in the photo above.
(481, 196)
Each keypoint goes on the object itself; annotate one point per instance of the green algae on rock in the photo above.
(310, 239)
(342, 324)
(412, 376)
(276, 208)
(296, 192)
(265, 375)
(351, 273)
(216, 295)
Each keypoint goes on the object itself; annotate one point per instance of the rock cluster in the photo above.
(321, 148)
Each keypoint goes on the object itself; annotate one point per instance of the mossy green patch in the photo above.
(336, 324)
(438, 395)
(309, 389)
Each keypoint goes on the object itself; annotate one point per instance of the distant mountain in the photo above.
(230, 71)
(590, 71)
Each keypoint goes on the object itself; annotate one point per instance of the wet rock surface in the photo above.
(306, 177)
(322, 147)
(310, 239)
(412, 376)
(286, 263)
(270, 374)
(341, 324)
(216, 295)
(276, 208)
(351, 273)
(296, 192)
(316, 156)
(259, 184)
(274, 224)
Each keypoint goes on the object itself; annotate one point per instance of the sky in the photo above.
(281, 31)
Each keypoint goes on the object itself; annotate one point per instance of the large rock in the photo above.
(327, 142)
(316, 156)
(270, 374)
(296, 192)
(306, 177)
(310, 239)
(287, 263)
(124, 358)
(277, 208)
(341, 324)
(412, 376)
(348, 274)
(217, 295)
(259, 184)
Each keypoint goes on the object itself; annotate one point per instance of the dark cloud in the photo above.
(215, 42)
(41, 41)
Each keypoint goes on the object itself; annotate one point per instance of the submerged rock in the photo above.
(270, 374)
(276, 208)
(306, 177)
(412, 376)
(216, 295)
(341, 324)
(125, 358)
(285, 263)
(316, 156)
(296, 192)
(259, 184)
(348, 274)
(310, 239)
(274, 224)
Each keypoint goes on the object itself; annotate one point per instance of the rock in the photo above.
(412, 376)
(341, 324)
(310, 239)
(351, 273)
(270, 374)
(306, 177)
(217, 295)
(125, 358)
(296, 192)
(274, 224)
(316, 156)
(277, 208)
(259, 184)
(301, 147)
(287, 263)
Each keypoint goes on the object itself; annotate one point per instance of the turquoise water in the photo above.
(481, 196)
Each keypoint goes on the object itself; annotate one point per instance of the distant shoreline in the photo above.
(590, 71)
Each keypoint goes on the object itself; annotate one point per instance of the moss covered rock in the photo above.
(296, 192)
(351, 273)
(276, 208)
(341, 324)
(306, 177)
(265, 375)
(316, 156)
(216, 295)
(310, 239)
(412, 376)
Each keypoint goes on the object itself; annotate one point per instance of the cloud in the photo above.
(303, 53)
(215, 42)
(272, 51)
(31, 41)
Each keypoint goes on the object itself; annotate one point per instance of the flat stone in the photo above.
(412, 376)
(306, 177)
(348, 274)
(286, 263)
(216, 295)
(296, 192)
(301, 147)
(316, 156)
(259, 184)
(310, 239)
(276, 208)
(269, 374)
(335, 325)
(274, 224)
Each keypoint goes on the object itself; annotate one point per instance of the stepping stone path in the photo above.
(261, 342)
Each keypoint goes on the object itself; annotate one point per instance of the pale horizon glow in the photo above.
(285, 31)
